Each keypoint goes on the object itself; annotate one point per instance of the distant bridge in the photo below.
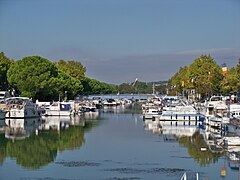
(119, 96)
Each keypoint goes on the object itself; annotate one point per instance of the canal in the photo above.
(112, 144)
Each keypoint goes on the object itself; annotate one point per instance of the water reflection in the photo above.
(55, 123)
(20, 128)
(43, 138)
(91, 115)
(121, 147)
(204, 145)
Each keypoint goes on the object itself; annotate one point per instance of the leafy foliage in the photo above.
(142, 87)
(5, 64)
(42, 79)
(126, 88)
(72, 68)
(230, 82)
(204, 75)
(92, 86)
(39, 78)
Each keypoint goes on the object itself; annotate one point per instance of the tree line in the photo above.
(143, 88)
(206, 77)
(42, 79)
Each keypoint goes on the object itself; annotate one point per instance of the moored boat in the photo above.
(150, 113)
(109, 102)
(21, 107)
(181, 113)
(58, 109)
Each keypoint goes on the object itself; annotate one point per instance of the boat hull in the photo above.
(49, 112)
(22, 113)
(180, 117)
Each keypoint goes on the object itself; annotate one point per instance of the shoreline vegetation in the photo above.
(42, 79)
(205, 78)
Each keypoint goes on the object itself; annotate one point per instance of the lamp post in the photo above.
(65, 98)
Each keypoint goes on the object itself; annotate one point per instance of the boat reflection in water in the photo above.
(20, 128)
(35, 143)
(233, 156)
(205, 145)
(169, 130)
(55, 122)
(91, 115)
(119, 145)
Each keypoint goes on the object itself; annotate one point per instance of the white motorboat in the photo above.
(58, 109)
(150, 113)
(181, 113)
(109, 102)
(21, 107)
(89, 108)
(214, 108)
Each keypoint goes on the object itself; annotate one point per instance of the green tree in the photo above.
(126, 88)
(203, 75)
(92, 86)
(72, 68)
(238, 76)
(230, 82)
(206, 75)
(39, 78)
(32, 75)
(180, 81)
(143, 88)
(5, 64)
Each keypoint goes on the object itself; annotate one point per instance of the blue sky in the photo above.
(120, 40)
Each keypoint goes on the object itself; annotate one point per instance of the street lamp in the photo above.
(65, 96)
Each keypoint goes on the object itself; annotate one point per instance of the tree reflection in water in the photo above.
(194, 145)
(39, 150)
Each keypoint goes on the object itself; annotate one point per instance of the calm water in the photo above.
(114, 144)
